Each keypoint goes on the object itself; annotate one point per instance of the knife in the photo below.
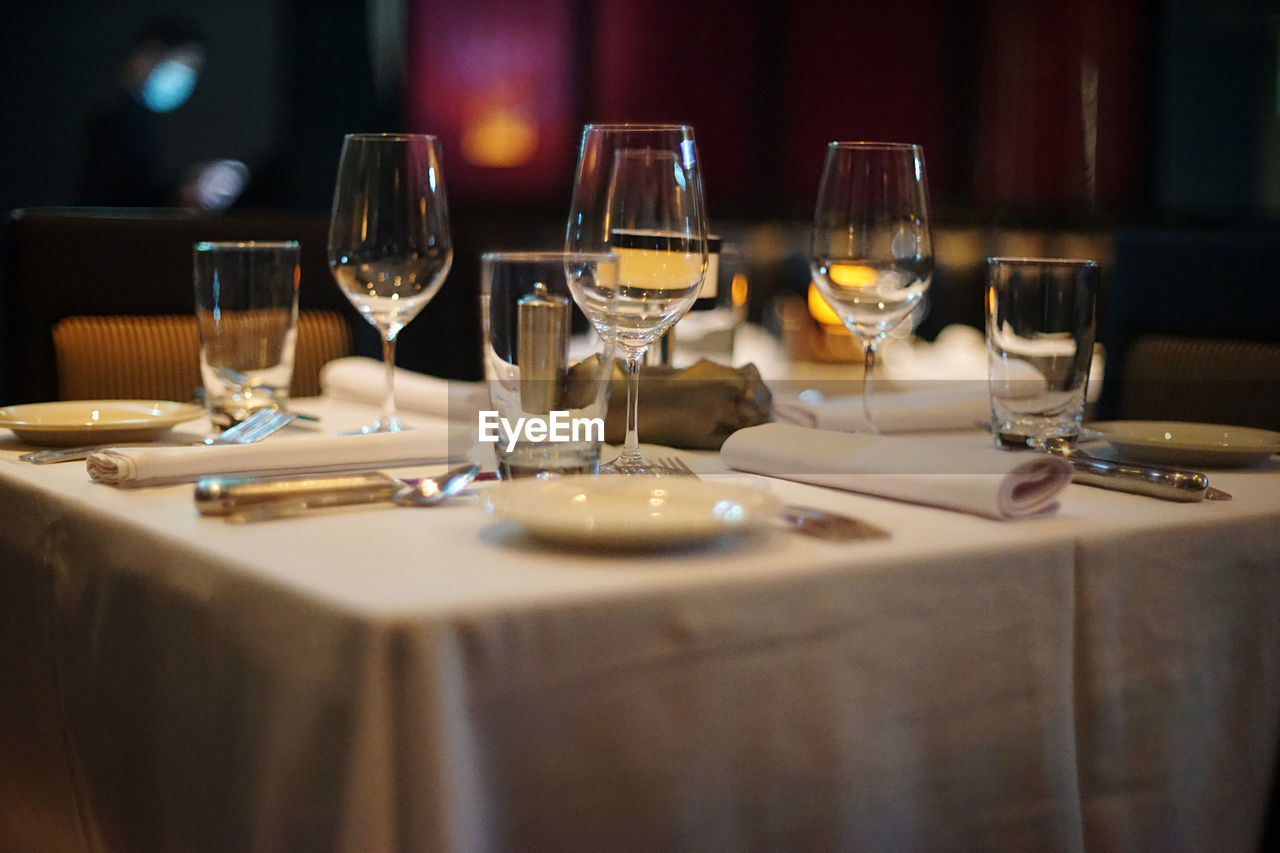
(228, 495)
(1166, 483)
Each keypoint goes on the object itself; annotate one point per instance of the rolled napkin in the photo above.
(130, 467)
(949, 405)
(363, 380)
(693, 408)
(947, 473)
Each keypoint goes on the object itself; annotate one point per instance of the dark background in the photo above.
(1093, 116)
(1186, 126)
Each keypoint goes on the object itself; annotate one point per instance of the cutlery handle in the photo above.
(231, 495)
(1166, 483)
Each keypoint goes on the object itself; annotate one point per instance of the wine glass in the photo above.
(872, 252)
(389, 243)
(638, 194)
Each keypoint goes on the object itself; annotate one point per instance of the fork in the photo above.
(809, 520)
(256, 427)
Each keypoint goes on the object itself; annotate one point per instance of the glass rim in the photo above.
(1044, 262)
(219, 245)
(884, 146)
(388, 137)
(608, 125)
(545, 255)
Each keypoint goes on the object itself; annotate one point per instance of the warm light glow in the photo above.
(738, 290)
(821, 311)
(501, 138)
(852, 275)
(658, 270)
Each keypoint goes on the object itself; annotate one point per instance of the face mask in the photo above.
(168, 85)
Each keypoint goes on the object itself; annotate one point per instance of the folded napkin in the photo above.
(694, 408)
(948, 473)
(958, 352)
(950, 405)
(363, 380)
(130, 467)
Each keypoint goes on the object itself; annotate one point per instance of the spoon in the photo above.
(432, 490)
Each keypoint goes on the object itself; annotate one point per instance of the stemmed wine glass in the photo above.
(872, 252)
(389, 242)
(638, 194)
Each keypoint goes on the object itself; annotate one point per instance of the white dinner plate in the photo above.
(629, 511)
(73, 422)
(1177, 443)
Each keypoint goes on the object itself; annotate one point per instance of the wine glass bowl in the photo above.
(638, 195)
(872, 249)
(389, 243)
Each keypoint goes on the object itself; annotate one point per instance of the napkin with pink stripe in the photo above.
(130, 467)
(951, 473)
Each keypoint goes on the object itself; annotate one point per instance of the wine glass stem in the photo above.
(389, 417)
(868, 366)
(631, 443)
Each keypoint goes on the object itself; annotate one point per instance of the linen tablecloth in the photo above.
(402, 679)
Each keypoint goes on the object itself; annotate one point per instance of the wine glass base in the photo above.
(391, 425)
(640, 467)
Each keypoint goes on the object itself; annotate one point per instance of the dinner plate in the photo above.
(1177, 443)
(629, 511)
(72, 422)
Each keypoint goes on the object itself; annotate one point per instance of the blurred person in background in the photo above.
(121, 165)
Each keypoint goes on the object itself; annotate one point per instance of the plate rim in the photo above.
(179, 413)
(1101, 427)
(644, 535)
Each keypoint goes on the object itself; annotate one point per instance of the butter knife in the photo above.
(229, 495)
(261, 498)
(1166, 483)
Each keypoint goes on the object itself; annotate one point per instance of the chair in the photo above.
(91, 262)
(157, 357)
(1208, 380)
(1189, 326)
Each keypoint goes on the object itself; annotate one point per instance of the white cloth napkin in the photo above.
(958, 352)
(130, 467)
(363, 380)
(948, 473)
(950, 405)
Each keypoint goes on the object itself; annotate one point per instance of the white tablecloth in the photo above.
(407, 679)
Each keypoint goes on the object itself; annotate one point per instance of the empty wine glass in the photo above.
(389, 243)
(872, 252)
(638, 194)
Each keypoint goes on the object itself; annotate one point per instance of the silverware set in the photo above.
(1169, 484)
(256, 427)
(248, 499)
(1166, 483)
(807, 520)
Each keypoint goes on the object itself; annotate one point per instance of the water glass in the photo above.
(709, 329)
(246, 298)
(547, 368)
(1040, 317)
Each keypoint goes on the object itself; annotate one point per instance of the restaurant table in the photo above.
(1107, 678)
